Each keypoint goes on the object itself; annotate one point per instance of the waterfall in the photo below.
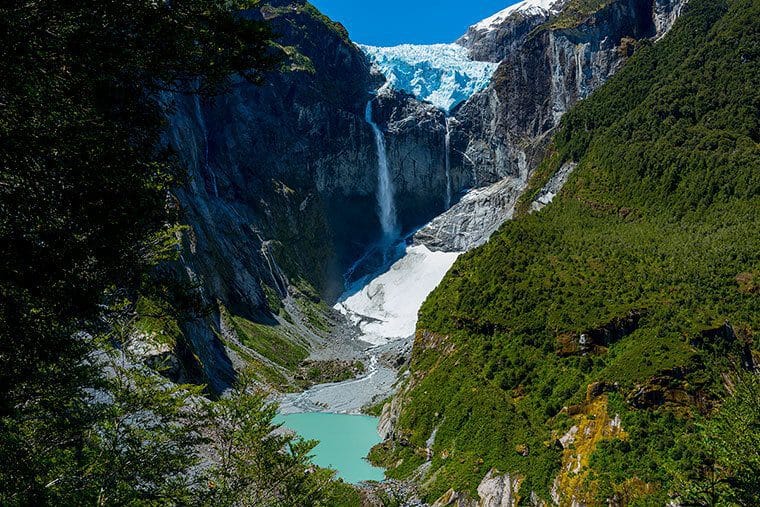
(447, 144)
(206, 166)
(386, 206)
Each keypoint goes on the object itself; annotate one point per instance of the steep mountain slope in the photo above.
(574, 351)
(281, 196)
(549, 59)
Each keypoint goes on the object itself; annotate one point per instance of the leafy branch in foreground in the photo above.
(257, 463)
(726, 451)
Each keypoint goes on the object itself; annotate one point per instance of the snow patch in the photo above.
(442, 74)
(553, 186)
(526, 7)
(385, 309)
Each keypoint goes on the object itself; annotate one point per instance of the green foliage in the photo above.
(311, 11)
(733, 437)
(132, 437)
(726, 451)
(84, 177)
(660, 216)
(142, 442)
(146, 441)
(322, 372)
(272, 342)
(651, 452)
(333, 25)
(376, 409)
(314, 309)
(156, 322)
(575, 12)
(251, 467)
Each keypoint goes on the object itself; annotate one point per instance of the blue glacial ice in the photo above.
(442, 74)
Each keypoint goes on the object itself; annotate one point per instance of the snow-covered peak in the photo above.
(442, 74)
(526, 7)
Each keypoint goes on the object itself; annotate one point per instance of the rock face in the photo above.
(471, 221)
(498, 490)
(415, 136)
(494, 490)
(503, 33)
(286, 173)
(282, 180)
(552, 187)
(546, 67)
(259, 188)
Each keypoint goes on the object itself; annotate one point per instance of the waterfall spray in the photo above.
(447, 144)
(386, 207)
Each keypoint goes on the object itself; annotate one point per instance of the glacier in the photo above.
(442, 74)
(385, 306)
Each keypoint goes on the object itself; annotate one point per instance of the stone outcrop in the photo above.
(471, 221)
(552, 187)
(495, 490)
(498, 490)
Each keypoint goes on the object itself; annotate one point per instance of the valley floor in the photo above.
(381, 311)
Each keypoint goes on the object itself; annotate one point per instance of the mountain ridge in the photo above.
(571, 354)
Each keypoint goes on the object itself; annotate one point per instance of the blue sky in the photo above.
(391, 22)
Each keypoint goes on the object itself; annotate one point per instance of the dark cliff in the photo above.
(547, 65)
(282, 185)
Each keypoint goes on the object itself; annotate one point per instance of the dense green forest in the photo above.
(629, 308)
(87, 229)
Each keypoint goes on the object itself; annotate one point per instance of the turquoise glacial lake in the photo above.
(344, 442)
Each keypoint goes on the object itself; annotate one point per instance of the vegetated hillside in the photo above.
(628, 296)
(89, 308)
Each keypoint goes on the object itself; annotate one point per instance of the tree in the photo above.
(256, 463)
(145, 435)
(725, 454)
(733, 438)
(83, 187)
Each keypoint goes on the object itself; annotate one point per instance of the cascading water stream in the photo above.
(386, 207)
(206, 166)
(447, 144)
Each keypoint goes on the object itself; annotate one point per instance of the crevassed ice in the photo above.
(442, 74)
(526, 7)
